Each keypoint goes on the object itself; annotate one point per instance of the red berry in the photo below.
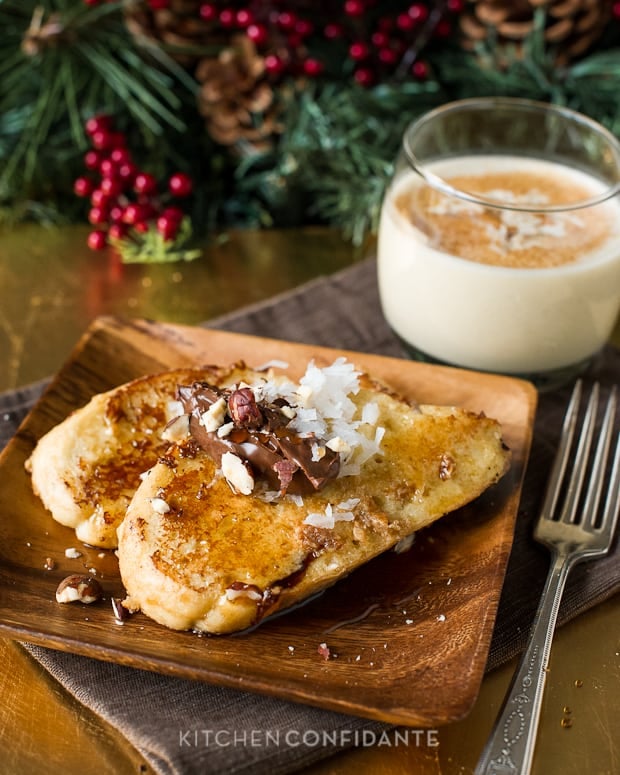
(116, 214)
(97, 216)
(455, 6)
(83, 186)
(304, 28)
(92, 160)
(180, 184)
(117, 231)
(173, 214)
(167, 227)
(358, 51)
(141, 226)
(616, 10)
(274, 65)
(98, 124)
(312, 67)
(144, 183)
(387, 56)
(257, 34)
(133, 214)
(91, 2)
(159, 5)
(127, 172)
(418, 12)
(364, 76)
(102, 139)
(111, 187)
(244, 17)
(380, 39)
(107, 168)
(99, 198)
(287, 20)
(208, 12)
(405, 22)
(333, 31)
(120, 156)
(420, 70)
(354, 8)
(97, 240)
(227, 17)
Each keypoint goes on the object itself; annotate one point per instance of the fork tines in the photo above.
(576, 505)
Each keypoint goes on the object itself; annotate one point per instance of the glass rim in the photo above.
(439, 184)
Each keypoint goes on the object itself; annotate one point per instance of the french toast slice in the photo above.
(197, 553)
(87, 468)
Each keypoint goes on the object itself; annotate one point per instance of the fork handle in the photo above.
(510, 747)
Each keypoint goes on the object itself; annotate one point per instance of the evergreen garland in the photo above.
(63, 61)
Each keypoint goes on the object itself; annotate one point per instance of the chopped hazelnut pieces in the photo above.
(214, 416)
(237, 473)
(77, 588)
(177, 429)
(120, 612)
(243, 408)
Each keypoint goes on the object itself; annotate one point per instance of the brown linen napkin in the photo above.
(173, 722)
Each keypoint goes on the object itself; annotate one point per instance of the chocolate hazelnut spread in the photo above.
(258, 434)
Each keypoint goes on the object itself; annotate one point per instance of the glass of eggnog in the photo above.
(499, 238)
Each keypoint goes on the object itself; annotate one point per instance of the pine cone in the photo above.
(236, 98)
(572, 26)
(178, 28)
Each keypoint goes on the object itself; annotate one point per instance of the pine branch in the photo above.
(332, 162)
(62, 64)
(151, 248)
(339, 148)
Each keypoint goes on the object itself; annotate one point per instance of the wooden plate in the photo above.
(411, 631)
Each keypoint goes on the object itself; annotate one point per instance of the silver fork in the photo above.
(574, 528)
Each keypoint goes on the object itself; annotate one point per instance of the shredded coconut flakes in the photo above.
(322, 408)
(340, 513)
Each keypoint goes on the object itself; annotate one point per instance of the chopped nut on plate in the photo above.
(78, 588)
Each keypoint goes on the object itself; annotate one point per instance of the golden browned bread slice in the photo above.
(195, 552)
(87, 468)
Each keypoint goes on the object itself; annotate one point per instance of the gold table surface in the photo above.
(51, 288)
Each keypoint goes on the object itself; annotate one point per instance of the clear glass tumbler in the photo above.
(499, 238)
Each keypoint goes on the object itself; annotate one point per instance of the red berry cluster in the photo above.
(279, 33)
(378, 45)
(292, 37)
(122, 196)
(293, 43)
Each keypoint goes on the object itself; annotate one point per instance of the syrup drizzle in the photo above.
(354, 620)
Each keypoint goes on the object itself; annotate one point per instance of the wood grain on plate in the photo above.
(410, 632)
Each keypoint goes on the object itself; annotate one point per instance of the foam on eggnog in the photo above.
(504, 237)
